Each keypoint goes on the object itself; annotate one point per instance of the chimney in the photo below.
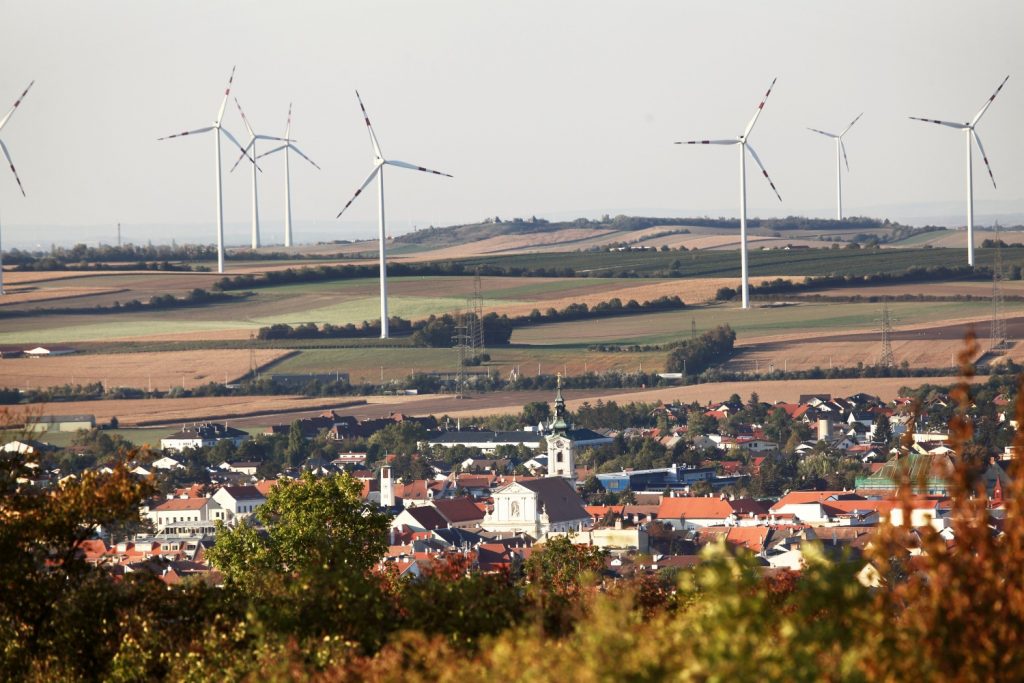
(387, 487)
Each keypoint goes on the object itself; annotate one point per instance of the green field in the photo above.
(397, 363)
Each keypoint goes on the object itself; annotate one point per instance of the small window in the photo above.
(558, 457)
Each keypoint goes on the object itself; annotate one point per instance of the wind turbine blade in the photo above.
(227, 91)
(831, 135)
(299, 152)
(7, 155)
(842, 146)
(373, 136)
(958, 126)
(708, 142)
(369, 179)
(243, 155)
(239, 146)
(197, 131)
(3, 122)
(851, 124)
(288, 128)
(766, 177)
(983, 156)
(977, 117)
(244, 120)
(403, 164)
(276, 149)
(757, 112)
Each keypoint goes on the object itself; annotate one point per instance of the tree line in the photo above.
(439, 330)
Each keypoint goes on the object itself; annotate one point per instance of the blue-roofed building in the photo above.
(659, 479)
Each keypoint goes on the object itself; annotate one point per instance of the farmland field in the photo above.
(335, 302)
(762, 263)
(161, 371)
(368, 364)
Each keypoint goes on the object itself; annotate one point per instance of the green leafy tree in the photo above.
(401, 437)
(535, 412)
(883, 430)
(296, 449)
(310, 571)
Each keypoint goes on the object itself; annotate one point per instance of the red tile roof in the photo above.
(175, 504)
(694, 508)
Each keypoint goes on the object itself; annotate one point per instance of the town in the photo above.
(650, 492)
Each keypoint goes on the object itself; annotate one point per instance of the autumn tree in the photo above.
(309, 570)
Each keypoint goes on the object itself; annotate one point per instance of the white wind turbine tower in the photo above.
(7, 156)
(840, 149)
(218, 129)
(744, 148)
(288, 146)
(253, 137)
(379, 162)
(969, 132)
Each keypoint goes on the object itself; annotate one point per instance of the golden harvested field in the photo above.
(159, 370)
(823, 353)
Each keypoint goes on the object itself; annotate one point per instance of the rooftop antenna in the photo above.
(744, 148)
(969, 134)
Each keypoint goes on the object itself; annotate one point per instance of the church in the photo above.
(538, 506)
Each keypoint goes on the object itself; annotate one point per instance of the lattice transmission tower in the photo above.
(476, 306)
(886, 359)
(997, 334)
(462, 349)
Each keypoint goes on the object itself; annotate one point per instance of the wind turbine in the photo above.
(218, 129)
(969, 133)
(379, 162)
(744, 148)
(253, 137)
(840, 148)
(287, 175)
(7, 155)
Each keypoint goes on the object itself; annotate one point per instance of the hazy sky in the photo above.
(537, 108)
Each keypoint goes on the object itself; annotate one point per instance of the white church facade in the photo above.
(550, 504)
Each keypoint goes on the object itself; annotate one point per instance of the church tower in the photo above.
(561, 449)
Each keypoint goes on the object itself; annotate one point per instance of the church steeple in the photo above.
(560, 423)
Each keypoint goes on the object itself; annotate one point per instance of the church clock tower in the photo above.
(561, 449)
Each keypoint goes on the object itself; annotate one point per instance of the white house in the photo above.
(202, 434)
(179, 510)
(237, 502)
